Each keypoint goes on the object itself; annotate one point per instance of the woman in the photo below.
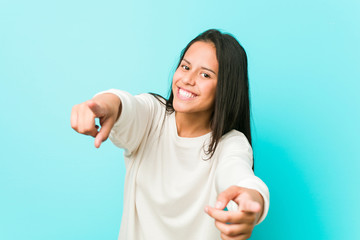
(187, 153)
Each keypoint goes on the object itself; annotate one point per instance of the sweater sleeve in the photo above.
(235, 168)
(138, 114)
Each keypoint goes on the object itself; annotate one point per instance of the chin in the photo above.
(178, 107)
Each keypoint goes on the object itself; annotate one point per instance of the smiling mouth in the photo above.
(183, 94)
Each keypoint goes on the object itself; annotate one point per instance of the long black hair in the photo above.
(232, 104)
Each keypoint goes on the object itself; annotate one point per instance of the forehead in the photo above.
(202, 53)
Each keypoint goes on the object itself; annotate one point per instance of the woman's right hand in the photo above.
(106, 107)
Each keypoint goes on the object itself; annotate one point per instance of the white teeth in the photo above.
(186, 94)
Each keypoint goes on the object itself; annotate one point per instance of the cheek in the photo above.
(210, 90)
(173, 86)
(177, 76)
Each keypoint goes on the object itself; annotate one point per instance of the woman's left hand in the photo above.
(237, 225)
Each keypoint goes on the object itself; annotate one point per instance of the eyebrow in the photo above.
(201, 67)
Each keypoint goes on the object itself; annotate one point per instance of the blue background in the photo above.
(304, 76)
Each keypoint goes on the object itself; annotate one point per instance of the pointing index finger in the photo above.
(224, 197)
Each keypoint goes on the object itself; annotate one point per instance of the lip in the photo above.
(181, 97)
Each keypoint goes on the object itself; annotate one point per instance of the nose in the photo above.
(189, 79)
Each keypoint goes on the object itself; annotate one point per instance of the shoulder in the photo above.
(235, 138)
(234, 143)
(154, 103)
(144, 105)
(142, 99)
(151, 98)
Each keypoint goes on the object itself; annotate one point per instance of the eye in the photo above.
(185, 67)
(205, 75)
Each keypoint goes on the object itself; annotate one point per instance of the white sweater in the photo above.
(168, 183)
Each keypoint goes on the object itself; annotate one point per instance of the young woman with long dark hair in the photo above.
(186, 153)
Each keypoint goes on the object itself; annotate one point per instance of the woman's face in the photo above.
(194, 81)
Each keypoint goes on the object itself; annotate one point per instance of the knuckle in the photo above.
(81, 130)
(74, 126)
(83, 105)
(88, 131)
(247, 236)
(84, 130)
(74, 108)
(227, 218)
(223, 236)
(228, 231)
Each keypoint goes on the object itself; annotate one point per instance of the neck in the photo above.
(192, 125)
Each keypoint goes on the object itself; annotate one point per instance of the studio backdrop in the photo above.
(304, 82)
